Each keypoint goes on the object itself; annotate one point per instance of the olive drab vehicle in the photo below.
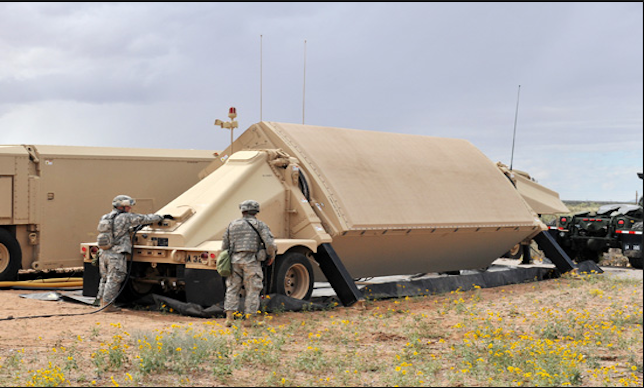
(588, 235)
(51, 197)
(632, 238)
(376, 203)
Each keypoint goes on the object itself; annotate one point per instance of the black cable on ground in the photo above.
(127, 278)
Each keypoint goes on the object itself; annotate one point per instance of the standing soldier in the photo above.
(243, 239)
(112, 261)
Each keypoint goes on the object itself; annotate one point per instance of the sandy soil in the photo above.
(88, 330)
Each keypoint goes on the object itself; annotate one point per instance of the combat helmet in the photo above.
(249, 206)
(123, 200)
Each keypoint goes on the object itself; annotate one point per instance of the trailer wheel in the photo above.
(635, 256)
(587, 254)
(636, 262)
(10, 256)
(293, 276)
(134, 289)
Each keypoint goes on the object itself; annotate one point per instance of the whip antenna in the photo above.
(516, 115)
(260, 77)
(304, 86)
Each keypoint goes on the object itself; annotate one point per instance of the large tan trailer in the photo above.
(51, 197)
(380, 203)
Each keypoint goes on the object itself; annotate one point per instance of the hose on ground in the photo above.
(127, 278)
(43, 283)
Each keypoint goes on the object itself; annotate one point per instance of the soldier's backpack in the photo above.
(224, 266)
(105, 238)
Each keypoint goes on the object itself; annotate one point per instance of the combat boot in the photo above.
(229, 318)
(248, 322)
(110, 307)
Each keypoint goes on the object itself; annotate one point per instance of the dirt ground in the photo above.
(91, 330)
(46, 332)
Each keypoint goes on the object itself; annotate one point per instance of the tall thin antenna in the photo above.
(304, 85)
(516, 115)
(260, 76)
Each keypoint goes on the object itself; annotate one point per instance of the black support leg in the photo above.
(526, 258)
(337, 275)
(554, 252)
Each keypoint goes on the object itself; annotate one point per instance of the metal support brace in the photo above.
(554, 252)
(337, 275)
(527, 254)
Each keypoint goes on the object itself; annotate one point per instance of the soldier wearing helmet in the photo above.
(112, 261)
(245, 239)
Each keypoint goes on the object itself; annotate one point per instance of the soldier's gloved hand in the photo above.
(165, 217)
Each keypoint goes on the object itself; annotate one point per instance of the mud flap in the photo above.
(337, 275)
(204, 287)
(91, 279)
(554, 252)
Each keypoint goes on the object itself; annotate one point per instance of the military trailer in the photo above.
(379, 203)
(632, 238)
(51, 197)
(588, 235)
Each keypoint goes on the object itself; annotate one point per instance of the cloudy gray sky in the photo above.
(157, 75)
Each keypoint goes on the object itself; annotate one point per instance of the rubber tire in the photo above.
(9, 245)
(636, 262)
(130, 293)
(587, 254)
(635, 257)
(286, 265)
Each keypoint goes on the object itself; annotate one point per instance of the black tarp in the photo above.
(272, 303)
(429, 285)
(463, 282)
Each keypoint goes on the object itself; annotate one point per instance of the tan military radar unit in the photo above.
(341, 203)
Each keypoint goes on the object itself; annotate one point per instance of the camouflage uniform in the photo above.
(113, 262)
(243, 243)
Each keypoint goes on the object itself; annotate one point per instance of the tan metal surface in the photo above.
(59, 192)
(541, 199)
(391, 203)
(389, 180)
(213, 202)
